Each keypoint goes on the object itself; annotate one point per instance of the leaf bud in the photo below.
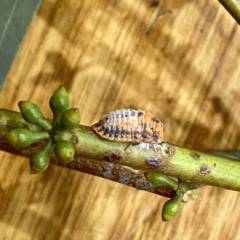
(70, 119)
(158, 179)
(65, 151)
(171, 208)
(59, 102)
(32, 114)
(39, 161)
(23, 137)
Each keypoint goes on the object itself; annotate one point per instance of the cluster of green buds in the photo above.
(181, 188)
(64, 118)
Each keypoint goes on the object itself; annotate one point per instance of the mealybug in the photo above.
(129, 125)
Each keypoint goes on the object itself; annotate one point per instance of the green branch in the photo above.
(10, 120)
(163, 169)
(171, 160)
(233, 7)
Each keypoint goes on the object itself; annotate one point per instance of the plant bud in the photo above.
(70, 119)
(65, 151)
(159, 179)
(32, 114)
(23, 137)
(59, 102)
(39, 161)
(171, 208)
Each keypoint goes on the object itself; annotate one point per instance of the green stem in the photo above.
(233, 7)
(10, 120)
(171, 160)
(199, 167)
(174, 161)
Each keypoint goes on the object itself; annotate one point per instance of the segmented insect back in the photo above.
(129, 125)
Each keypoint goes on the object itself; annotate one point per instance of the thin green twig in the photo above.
(233, 7)
(171, 160)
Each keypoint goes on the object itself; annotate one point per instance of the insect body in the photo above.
(129, 125)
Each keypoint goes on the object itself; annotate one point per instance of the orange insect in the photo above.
(129, 125)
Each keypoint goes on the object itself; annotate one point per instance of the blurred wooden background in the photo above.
(185, 70)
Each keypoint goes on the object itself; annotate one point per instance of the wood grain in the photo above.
(185, 71)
